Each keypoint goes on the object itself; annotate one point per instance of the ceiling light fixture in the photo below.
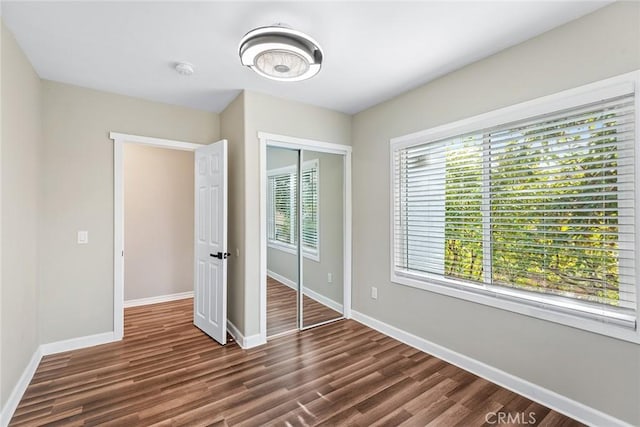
(281, 53)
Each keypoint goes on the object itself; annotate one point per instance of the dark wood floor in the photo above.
(282, 309)
(166, 372)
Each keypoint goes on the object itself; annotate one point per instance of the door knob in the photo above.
(221, 255)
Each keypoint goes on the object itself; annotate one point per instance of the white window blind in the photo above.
(539, 210)
(282, 204)
(310, 207)
(281, 208)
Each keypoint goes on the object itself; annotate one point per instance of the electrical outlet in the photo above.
(83, 237)
(237, 253)
(374, 292)
(329, 278)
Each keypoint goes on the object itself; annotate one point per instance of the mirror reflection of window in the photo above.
(281, 208)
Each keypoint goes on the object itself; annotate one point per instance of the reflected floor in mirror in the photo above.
(282, 309)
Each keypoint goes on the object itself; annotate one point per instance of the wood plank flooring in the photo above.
(167, 373)
(282, 309)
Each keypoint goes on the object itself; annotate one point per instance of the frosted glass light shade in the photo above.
(281, 64)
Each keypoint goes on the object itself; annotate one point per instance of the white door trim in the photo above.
(282, 141)
(154, 142)
(119, 139)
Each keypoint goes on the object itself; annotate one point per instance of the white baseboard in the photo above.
(20, 388)
(253, 341)
(235, 333)
(77, 343)
(549, 398)
(308, 292)
(30, 370)
(324, 300)
(244, 342)
(285, 281)
(158, 299)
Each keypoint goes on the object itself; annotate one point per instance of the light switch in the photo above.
(83, 237)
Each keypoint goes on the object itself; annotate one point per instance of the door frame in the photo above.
(283, 141)
(119, 139)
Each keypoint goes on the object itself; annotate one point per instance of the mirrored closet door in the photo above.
(282, 236)
(305, 239)
(322, 234)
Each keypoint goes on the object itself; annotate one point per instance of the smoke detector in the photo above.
(184, 68)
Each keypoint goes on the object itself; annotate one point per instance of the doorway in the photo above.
(158, 224)
(119, 141)
(305, 234)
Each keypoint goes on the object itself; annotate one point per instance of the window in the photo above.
(538, 210)
(282, 205)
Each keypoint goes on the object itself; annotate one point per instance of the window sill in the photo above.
(507, 301)
(293, 250)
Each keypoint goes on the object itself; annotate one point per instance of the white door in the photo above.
(210, 276)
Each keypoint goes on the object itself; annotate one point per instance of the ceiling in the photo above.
(373, 50)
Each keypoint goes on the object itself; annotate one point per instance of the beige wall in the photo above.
(264, 113)
(20, 167)
(76, 287)
(232, 123)
(158, 221)
(600, 372)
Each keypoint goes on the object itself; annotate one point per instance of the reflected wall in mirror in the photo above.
(322, 235)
